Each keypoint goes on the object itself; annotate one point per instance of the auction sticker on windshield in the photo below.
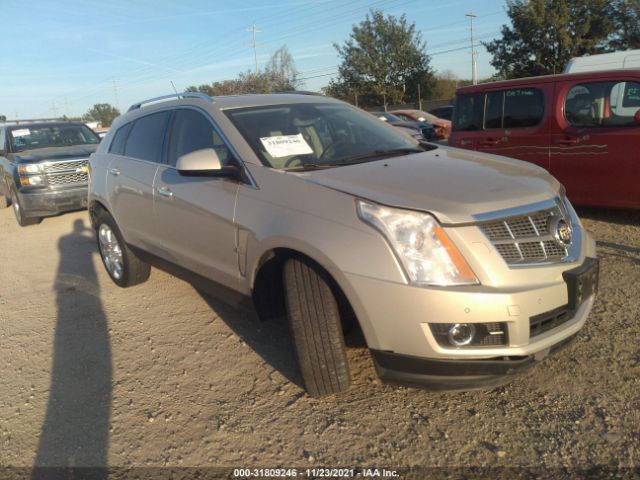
(23, 132)
(285, 145)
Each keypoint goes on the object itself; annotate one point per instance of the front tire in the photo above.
(122, 265)
(21, 215)
(314, 319)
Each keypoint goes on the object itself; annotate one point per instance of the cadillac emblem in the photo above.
(562, 232)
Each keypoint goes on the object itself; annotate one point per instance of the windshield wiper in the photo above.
(396, 152)
(309, 166)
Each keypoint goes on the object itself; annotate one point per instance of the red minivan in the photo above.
(583, 128)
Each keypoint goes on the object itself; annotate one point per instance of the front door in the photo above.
(194, 215)
(595, 151)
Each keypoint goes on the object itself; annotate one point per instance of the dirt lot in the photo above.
(160, 375)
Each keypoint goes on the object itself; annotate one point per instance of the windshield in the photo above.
(295, 135)
(29, 137)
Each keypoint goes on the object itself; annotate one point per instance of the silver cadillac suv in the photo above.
(460, 268)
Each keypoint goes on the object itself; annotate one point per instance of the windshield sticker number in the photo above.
(286, 145)
(23, 132)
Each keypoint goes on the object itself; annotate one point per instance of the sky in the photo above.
(63, 56)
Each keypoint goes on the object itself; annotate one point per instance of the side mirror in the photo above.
(205, 163)
(636, 117)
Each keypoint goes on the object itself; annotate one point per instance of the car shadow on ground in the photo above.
(619, 216)
(75, 432)
(268, 338)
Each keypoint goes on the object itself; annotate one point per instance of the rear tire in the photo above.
(314, 319)
(21, 218)
(122, 265)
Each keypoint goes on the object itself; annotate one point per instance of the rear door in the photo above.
(514, 124)
(595, 150)
(467, 120)
(194, 215)
(137, 151)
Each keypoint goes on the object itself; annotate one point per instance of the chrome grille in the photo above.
(526, 239)
(68, 179)
(67, 172)
(55, 167)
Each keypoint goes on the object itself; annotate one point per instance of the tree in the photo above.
(280, 75)
(3, 118)
(384, 57)
(626, 21)
(282, 69)
(444, 86)
(545, 34)
(102, 113)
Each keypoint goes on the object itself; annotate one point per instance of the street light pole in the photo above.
(474, 67)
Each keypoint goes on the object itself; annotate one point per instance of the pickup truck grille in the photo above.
(67, 172)
(527, 239)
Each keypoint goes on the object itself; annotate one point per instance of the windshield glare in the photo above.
(28, 137)
(294, 135)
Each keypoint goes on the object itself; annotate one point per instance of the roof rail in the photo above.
(202, 96)
(301, 92)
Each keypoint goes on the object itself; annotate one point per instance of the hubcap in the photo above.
(110, 251)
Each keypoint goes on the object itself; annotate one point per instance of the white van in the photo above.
(605, 61)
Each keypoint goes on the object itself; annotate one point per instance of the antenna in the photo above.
(254, 45)
(174, 87)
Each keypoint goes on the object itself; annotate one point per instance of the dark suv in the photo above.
(44, 168)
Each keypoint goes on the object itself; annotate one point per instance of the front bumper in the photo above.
(456, 375)
(396, 320)
(38, 203)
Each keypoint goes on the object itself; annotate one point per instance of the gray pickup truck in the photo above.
(44, 168)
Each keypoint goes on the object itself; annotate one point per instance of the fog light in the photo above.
(461, 334)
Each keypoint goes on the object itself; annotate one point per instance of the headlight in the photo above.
(32, 180)
(425, 251)
(29, 168)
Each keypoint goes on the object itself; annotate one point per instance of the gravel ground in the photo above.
(161, 375)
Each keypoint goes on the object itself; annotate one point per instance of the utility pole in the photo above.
(419, 98)
(54, 109)
(66, 107)
(474, 68)
(115, 92)
(254, 45)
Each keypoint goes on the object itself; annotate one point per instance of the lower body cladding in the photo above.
(465, 339)
(43, 203)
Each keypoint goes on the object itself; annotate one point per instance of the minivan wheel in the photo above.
(314, 320)
(122, 265)
(19, 212)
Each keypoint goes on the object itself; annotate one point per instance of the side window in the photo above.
(523, 107)
(467, 113)
(493, 110)
(117, 144)
(3, 139)
(603, 104)
(146, 137)
(192, 131)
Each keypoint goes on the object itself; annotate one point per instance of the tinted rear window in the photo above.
(523, 107)
(117, 145)
(467, 114)
(146, 137)
(493, 110)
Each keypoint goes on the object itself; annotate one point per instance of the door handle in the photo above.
(490, 142)
(114, 171)
(566, 141)
(165, 192)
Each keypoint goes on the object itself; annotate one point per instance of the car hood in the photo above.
(55, 153)
(453, 184)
